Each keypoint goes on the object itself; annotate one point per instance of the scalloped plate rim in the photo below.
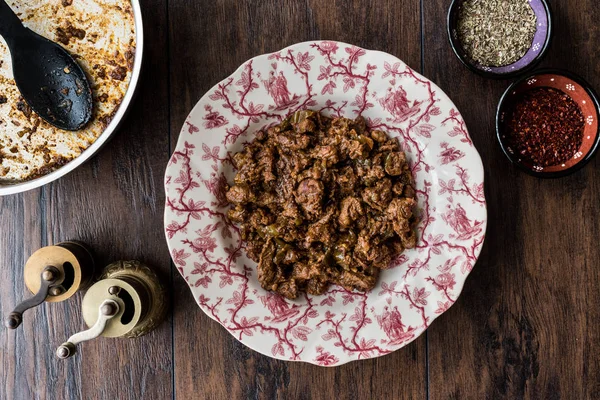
(479, 167)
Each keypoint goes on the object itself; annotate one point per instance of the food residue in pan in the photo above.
(100, 34)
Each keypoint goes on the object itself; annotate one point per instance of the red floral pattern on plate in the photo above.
(340, 326)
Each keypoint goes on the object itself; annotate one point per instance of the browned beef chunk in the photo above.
(288, 289)
(284, 189)
(301, 271)
(350, 210)
(240, 194)
(395, 245)
(357, 280)
(328, 154)
(398, 188)
(399, 211)
(266, 166)
(287, 230)
(318, 232)
(340, 127)
(360, 125)
(357, 149)
(347, 180)
(309, 195)
(243, 158)
(373, 175)
(377, 230)
(248, 174)
(370, 249)
(381, 257)
(237, 214)
(322, 230)
(395, 163)
(363, 245)
(268, 275)
(260, 218)
(389, 145)
(409, 240)
(292, 164)
(305, 126)
(291, 256)
(254, 247)
(290, 210)
(379, 136)
(378, 196)
(261, 136)
(317, 286)
(409, 192)
(299, 162)
(292, 142)
(265, 199)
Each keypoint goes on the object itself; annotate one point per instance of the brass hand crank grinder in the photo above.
(128, 300)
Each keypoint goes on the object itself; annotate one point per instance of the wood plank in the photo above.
(114, 203)
(208, 41)
(526, 323)
(20, 218)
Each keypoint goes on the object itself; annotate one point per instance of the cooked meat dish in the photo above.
(100, 34)
(322, 201)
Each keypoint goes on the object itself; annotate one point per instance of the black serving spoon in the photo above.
(49, 79)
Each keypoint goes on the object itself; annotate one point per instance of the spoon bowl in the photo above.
(50, 80)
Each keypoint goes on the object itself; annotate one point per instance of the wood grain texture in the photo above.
(525, 326)
(526, 323)
(209, 362)
(114, 203)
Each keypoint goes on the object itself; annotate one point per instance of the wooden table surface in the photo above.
(526, 325)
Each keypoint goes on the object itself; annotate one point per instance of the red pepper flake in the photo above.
(545, 127)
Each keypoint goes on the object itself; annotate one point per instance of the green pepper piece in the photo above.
(339, 254)
(300, 116)
(351, 238)
(366, 140)
(272, 230)
(261, 232)
(389, 165)
(285, 125)
(281, 253)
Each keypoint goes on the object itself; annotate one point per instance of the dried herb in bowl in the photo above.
(496, 33)
(545, 127)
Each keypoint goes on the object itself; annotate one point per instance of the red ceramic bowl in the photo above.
(580, 92)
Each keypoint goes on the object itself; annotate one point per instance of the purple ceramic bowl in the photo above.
(534, 55)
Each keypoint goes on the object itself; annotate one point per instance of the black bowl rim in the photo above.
(554, 71)
(510, 75)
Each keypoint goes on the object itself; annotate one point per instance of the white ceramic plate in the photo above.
(12, 188)
(340, 326)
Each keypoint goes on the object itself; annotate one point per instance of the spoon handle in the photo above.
(10, 24)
